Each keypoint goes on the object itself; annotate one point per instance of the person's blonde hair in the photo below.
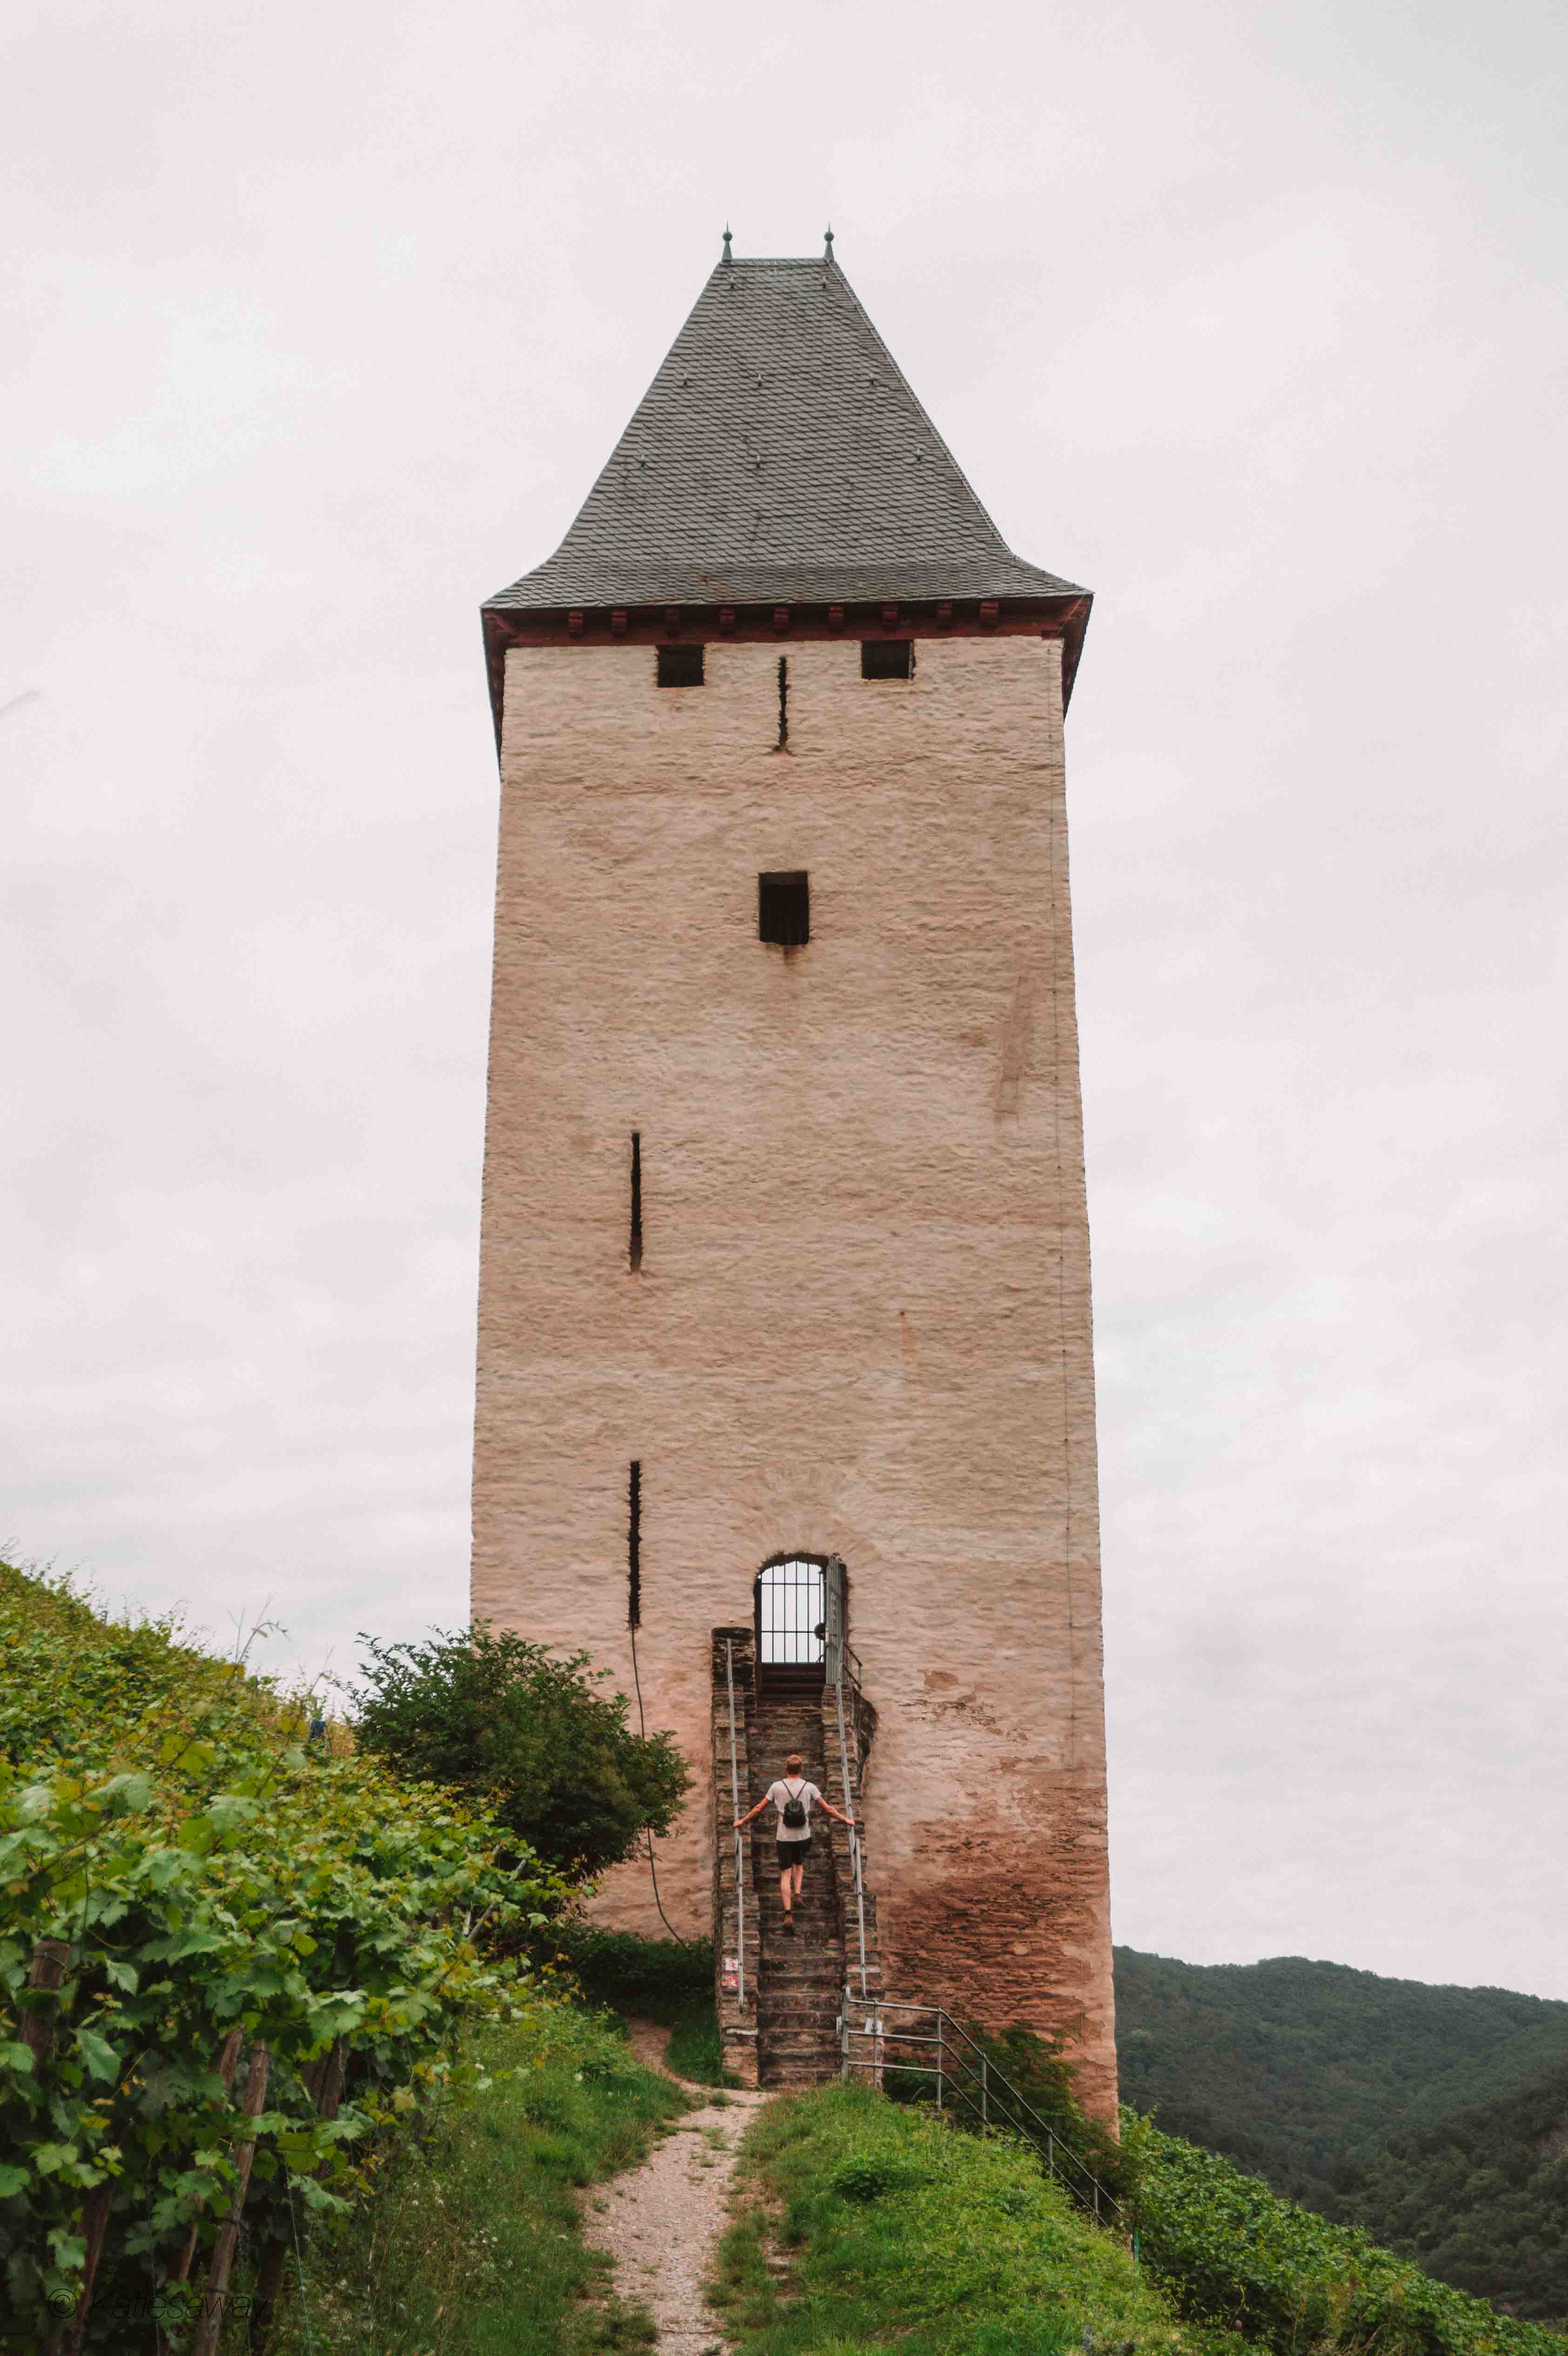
(794, 1759)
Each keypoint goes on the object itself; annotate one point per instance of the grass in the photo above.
(861, 2223)
(468, 2243)
(694, 2051)
(666, 1981)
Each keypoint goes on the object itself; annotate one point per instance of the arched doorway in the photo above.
(791, 1620)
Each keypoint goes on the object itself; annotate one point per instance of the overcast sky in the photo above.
(318, 325)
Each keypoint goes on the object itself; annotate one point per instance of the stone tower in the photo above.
(785, 1252)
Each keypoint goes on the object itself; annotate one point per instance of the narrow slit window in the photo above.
(680, 665)
(783, 703)
(634, 1252)
(634, 1544)
(887, 657)
(784, 908)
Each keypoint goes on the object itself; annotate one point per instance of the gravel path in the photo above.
(660, 2224)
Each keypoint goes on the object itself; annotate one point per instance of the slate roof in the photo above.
(779, 455)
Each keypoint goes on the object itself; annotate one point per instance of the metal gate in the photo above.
(792, 1616)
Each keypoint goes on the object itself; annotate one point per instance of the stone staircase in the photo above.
(800, 1980)
(785, 2032)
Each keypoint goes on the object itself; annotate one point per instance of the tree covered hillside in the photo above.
(1481, 2200)
(1302, 2071)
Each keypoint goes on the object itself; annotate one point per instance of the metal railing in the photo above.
(740, 1836)
(842, 1656)
(882, 2037)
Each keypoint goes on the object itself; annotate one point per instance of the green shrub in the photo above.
(668, 1981)
(866, 2175)
(1034, 2067)
(529, 1736)
(655, 1978)
(1231, 2253)
(217, 1885)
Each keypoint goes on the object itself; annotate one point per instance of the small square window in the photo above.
(680, 665)
(887, 657)
(784, 908)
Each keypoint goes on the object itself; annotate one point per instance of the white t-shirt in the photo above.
(794, 1787)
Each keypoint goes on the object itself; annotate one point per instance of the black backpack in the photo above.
(794, 1809)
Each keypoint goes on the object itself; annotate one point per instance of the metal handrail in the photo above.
(997, 2094)
(739, 1844)
(843, 1650)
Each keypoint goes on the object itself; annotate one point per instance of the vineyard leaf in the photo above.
(129, 1795)
(99, 2054)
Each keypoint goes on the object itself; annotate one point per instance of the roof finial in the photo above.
(727, 255)
(827, 246)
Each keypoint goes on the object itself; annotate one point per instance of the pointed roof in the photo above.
(778, 455)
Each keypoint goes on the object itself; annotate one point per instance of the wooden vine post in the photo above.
(45, 1975)
(209, 2323)
(50, 1957)
(323, 2082)
(228, 2062)
(95, 2228)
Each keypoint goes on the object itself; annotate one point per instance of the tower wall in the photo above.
(862, 1321)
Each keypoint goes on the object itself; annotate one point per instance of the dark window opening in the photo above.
(634, 1254)
(680, 665)
(635, 1545)
(783, 703)
(887, 657)
(784, 908)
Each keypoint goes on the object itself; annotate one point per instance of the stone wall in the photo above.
(861, 1323)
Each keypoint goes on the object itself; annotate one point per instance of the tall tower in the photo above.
(785, 1252)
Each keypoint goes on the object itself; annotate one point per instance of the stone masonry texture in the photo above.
(861, 1323)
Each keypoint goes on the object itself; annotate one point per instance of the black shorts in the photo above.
(792, 1852)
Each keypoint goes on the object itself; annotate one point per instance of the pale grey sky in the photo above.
(319, 324)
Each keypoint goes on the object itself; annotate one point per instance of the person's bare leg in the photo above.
(799, 1873)
(786, 1879)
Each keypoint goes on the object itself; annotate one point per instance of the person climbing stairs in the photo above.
(800, 1977)
(779, 1991)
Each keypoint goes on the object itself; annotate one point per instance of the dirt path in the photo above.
(660, 2224)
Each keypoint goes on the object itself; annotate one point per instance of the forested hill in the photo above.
(1481, 2200)
(1302, 2071)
